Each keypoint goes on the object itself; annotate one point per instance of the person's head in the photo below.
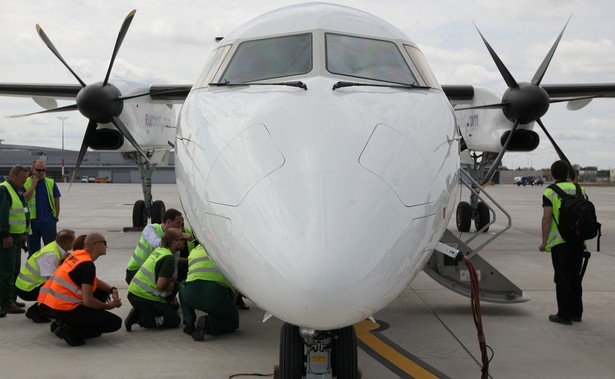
(172, 239)
(39, 168)
(79, 242)
(95, 244)
(559, 170)
(65, 238)
(172, 218)
(18, 176)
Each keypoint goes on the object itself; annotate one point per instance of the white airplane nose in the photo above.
(311, 252)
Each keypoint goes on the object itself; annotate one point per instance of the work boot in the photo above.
(189, 327)
(133, 318)
(63, 331)
(19, 304)
(2, 313)
(34, 314)
(201, 329)
(559, 320)
(12, 308)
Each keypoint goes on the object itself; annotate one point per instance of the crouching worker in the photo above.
(78, 299)
(39, 267)
(153, 286)
(206, 289)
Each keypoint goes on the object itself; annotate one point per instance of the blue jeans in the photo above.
(45, 230)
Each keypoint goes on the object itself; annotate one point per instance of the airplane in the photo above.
(318, 160)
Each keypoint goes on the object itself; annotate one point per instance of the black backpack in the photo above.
(577, 217)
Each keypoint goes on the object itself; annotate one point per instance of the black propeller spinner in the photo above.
(523, 102)
(100, 102)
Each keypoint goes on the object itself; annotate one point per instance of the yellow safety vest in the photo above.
(142, 251)
(18, 220)
(201, 267)
(32, 202)
(554, 238)
(144, 282)
(30, 274)
(189, 244)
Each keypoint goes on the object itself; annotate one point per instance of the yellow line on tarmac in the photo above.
(400, 360)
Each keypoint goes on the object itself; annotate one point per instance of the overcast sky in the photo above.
(169, 41)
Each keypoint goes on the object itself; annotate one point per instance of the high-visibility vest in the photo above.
(32, 202)
(142, 251)
(201, 267)
(189, 244)
(18, 220)
(144, 282)
(60, 292)
(30, 274)
(554, 238)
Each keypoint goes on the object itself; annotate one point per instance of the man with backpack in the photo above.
(564, 204)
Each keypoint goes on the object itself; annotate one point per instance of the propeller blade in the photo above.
(574, 99)
(89, 133)
(124, 130)
(72, 107)
(486, 106)
(55, 51)
(559, 151)
(488, 176)
(508, 78)
(540, 73)
(118, 42)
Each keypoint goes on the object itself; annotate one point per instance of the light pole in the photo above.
(62, 118)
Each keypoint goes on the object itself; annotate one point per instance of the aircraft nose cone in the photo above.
(315, 245)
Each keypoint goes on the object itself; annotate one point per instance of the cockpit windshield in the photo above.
(367, 58)
(270, 58)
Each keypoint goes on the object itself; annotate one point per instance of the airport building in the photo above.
(112, 166)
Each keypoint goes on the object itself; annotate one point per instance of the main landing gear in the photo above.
(314, 354)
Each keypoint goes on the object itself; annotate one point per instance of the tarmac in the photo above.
(428, 330)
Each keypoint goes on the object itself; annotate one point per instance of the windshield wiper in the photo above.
(342, 84)
(290, 84)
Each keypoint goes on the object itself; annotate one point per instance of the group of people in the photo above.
(60, 278)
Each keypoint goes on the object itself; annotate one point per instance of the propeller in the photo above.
(523, 102)
(100, 102)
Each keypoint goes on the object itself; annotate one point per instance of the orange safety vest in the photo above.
(60, 292)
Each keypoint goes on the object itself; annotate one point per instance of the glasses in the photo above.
(103, 242)
(41, 169)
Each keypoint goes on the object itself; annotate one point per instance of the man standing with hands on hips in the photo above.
(43, 198)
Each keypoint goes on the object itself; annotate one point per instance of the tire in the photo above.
(483, 217)
(139, 218)
(292, 358)
(344, 354)
(464, 216)
(157, 211)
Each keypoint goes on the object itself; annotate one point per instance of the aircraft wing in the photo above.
(557, 92)
(168, 92)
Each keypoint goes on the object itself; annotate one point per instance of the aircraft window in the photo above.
(270, 58)
(367, 58)
(213, 65)
(418, 59)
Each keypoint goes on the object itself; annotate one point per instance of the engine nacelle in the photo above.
(523, 140)
(106, 139)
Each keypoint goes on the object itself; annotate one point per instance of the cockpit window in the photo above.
(213, 65)
(420, 62)
(270, 58)
(367, 58)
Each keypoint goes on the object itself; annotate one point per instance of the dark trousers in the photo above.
(212, 298)
(10, 260)
(45, 230)
(154, 314)
(567, 262)
(28, 295)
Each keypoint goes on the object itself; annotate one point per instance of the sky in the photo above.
(169, 42)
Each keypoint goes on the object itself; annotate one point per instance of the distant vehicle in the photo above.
(525, 180)
(539, 182)
(84, 179)
(103, 179)
(91, 179)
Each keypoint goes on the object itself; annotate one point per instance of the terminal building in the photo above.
(114, 166)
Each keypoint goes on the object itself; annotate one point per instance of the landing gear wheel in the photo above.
(344, 354)
(157, 211)
(464, 216)
(292, 358)
(482, 217)
(139, 218)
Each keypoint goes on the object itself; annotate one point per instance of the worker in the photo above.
(37, 270)
(206, 289)
(150, 240)
(154, 286)
(77, 299)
